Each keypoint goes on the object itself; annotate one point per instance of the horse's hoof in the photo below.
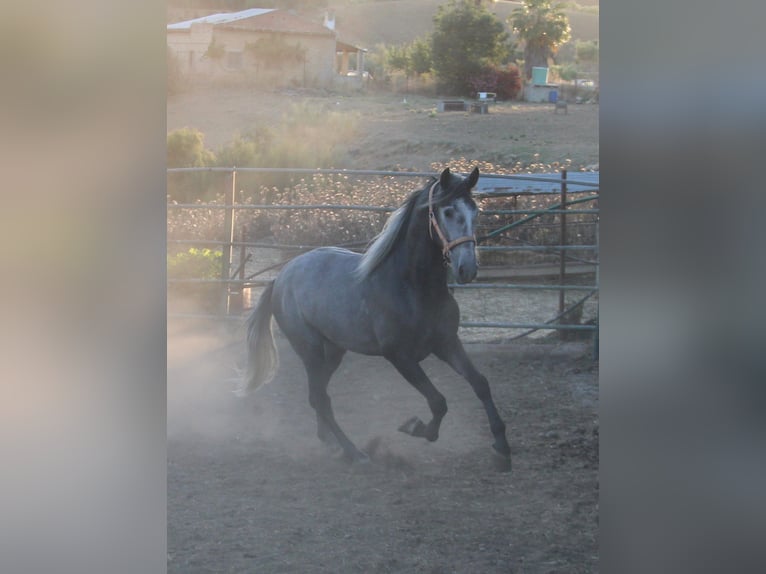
(360, 458)
(355, 457)
(413, 427)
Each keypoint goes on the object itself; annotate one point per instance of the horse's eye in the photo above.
(449, 213)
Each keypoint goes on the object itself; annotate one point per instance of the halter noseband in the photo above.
(447, 246)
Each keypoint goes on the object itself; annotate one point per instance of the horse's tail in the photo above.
(262, 356)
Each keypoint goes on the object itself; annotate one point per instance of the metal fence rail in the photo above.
(490, 186)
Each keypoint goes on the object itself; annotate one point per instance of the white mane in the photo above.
(383, 242)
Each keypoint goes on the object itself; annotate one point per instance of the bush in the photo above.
(186, 148)
(240, 152)
(508, 82)
(195, 264)
(505, 81)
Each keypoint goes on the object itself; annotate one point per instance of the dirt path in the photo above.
(250, 489)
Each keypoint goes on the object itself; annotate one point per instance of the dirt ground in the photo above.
(251, 488)
(402, 131)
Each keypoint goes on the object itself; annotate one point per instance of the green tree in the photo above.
(411, 59)
(466, 38)
(587, 51)
(397, 58)
(542, 26)
(420, 56)
(240, 152)
(186, 148)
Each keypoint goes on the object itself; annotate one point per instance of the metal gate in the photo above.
(566, 199)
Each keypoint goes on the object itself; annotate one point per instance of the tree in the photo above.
(466, 39)
(543, 27)
(587, 51)
(397, 58)
(420, 56)
(186, 148)
(412, 59)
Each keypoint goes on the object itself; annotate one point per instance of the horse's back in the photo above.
(318, 298)
(322, 268)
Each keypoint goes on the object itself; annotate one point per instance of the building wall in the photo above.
(189, 47)
(539, 93)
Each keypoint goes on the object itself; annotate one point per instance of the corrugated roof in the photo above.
(222, 18)
(282, 21)
(577, 182)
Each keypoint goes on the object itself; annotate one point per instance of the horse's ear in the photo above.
(445, 178)
(473, 178)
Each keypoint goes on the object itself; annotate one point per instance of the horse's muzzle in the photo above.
(464, 276)
(464, 264)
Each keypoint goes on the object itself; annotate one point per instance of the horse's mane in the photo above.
(382, 244)
(396, 225)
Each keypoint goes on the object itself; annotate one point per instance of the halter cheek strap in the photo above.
(447, 246)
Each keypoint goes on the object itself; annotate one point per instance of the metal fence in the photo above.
(580, 190)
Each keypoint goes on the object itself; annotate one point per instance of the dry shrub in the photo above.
(325, 226)
(333, 226)
(196, 223)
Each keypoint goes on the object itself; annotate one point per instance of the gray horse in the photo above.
(392, 301)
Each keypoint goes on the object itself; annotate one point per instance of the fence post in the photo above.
(563, 239)
(228, 227)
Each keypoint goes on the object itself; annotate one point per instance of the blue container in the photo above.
(553, 96)
(539, 76)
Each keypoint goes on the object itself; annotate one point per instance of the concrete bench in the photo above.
(480, 107)
(451, 106)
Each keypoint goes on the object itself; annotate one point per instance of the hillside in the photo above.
(368, 23)
(400, 21)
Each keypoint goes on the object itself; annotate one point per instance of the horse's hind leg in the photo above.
(454, 355)
(415, 375)
(320, 366)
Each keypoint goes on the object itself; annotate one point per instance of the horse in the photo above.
(391, 301)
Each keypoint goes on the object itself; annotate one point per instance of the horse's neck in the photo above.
(417, 260)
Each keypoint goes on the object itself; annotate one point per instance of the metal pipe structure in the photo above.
(497, 186)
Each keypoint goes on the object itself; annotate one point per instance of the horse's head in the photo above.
(452, 213)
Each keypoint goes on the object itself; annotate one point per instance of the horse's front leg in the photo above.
(455, 356)
(415, 375)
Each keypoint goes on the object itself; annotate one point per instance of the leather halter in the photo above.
(447, 246)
